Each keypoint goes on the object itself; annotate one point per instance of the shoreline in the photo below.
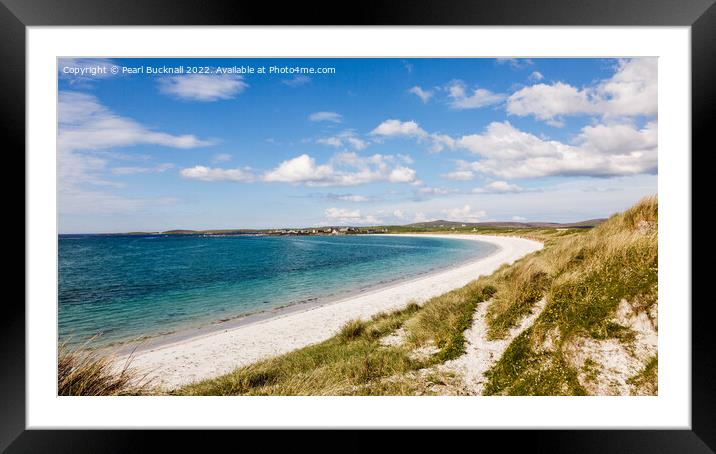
(123, 348)
(190, 357)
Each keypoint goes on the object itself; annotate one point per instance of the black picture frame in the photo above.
(16, 15)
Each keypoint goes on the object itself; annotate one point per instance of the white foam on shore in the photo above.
(217, 353)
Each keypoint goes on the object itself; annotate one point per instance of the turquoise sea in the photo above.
(129, 286)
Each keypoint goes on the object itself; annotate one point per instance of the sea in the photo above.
(115, 289)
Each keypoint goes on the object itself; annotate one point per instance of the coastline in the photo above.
(220, 349)
(211, 327)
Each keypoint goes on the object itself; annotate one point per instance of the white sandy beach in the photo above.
(220, 352)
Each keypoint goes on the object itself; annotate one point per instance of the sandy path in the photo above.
(480, 353)
(220, 352)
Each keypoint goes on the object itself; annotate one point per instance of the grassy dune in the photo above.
(587, 280)
(593, 336)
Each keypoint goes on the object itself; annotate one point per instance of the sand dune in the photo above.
(216, 353)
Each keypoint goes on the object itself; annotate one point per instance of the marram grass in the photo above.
(83, 372)
(584, 278)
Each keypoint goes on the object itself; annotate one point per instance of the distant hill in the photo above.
(512, 225)
(431, 225)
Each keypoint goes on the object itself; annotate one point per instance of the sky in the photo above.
(266, 143)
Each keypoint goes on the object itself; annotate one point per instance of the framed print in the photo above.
(416, 217)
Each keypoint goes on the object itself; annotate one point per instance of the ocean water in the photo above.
(127, 287)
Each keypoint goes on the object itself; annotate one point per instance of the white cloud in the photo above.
(460, 175)
(204, 173)
(344, 169)
(402, 174)
(131, 170)
(437, 191)
(397, 128)
(332, 117)
(456, 89)
(296, 81)
(350, 198)
(480, 97)
(464, 213)
(333, 213)
(348, 216)
(427, 193)
(631, 91)
(440, 142)
(302, 169)
(504, 142)
(424, 95)
(345, 139)
(548, 101)
(536, 76)
(562, 200)
(333, 141)
(555, 123)
(599, 151)
(411, 129)
(406, 158)
(498, 187)
(355, 142)
(616, 138)
(517, 63)
(85, 124)
(518, 219)
(221, 157)
(203, 87)
(87, 133)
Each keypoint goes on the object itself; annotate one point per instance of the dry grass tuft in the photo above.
(82, 372)
(352, 330)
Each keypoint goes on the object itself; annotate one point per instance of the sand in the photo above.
(216, 353)
(481, 353)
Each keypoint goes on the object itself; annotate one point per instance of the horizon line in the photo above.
(465, 223)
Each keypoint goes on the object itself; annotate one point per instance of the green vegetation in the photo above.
(591, 370)
(355, 362)
(443, 320)
(584, 279)
(344, 364)
(526, 372)
(646, 381)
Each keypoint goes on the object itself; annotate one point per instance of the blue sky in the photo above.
(373, 141)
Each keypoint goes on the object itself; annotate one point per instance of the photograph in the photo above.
(354, 226)
(454, 219)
